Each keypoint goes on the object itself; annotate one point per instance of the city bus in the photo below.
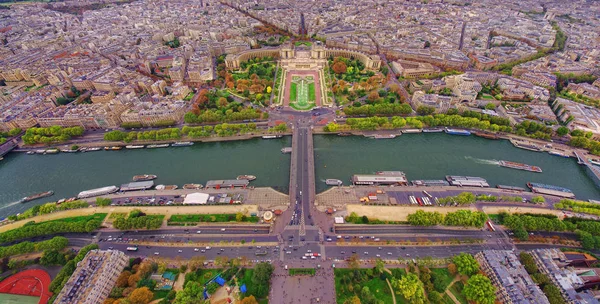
(259, 253)
(132, 249)
(491, 226)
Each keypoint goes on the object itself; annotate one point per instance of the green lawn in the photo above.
(308, 106)
(245, 277)
(159, 294)
(486, 96)
(180, 219)
(83, 218)
(443, 272)
(293, 91)
(447, 300)
(311, 92)
(302, 93)
(377, 286)
(201, 275)
(302, 271)
(456, 290)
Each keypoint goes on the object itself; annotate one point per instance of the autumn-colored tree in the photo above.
(123, 279)
(222, 101)
(230, 84)
(354, 300)
(109, 301)
(141, 295)
(196, 262)
(452, 268)
(339, 67)
(202, 96)
(249, 300)
(221, 260)
(218, 83)
(133, 279)
(254, 77)
(256, 88)
(354, 261)
(127, 291)
(373, 96)
(229, 78)
(241, 87)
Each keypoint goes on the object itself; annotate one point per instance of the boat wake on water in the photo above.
(483, 161)
(10, 205)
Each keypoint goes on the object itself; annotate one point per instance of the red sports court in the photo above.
(25, 286)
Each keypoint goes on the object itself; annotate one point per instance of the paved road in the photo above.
(189, 252)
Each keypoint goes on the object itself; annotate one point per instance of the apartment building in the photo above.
(94, 278)
(577, 115)
(412, 69)
(554, 264)
(513, 284)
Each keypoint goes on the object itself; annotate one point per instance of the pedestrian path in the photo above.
(450, 294)
(391, 289)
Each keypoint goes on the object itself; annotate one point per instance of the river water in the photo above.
(435, 155)
(67, 174)
(420, 156)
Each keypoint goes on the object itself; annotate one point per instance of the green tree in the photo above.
(101, 201)
(466, 264)
(261, 278)
(410, 287)
(562, 131)
(425, 110)
(480, 290)
(435, 297)
(379, 265)
(490, 106)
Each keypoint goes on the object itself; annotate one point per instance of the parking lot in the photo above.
(160, 200)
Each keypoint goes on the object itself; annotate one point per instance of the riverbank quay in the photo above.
(265, 198)
(101, 143)
(337, 197)
(167, 211)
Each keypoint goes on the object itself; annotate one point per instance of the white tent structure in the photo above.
(196, 199)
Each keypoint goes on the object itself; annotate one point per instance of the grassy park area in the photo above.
(302, 271)
(182, 219)
(347, 280)
(302, 93)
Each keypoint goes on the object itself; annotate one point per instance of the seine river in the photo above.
(420, 156)
(435, 155)
(67, 174)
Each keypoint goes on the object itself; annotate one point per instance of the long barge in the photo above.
(512, 188)
(433, 130)
(467, 181)
(36, 196)
(486, 135)
(430, 183)
(519, 166)
(97, 192)
(530, 147)
(550, 190)
(271, 136)
(457, 132)
(560, 153)
(192, 186)
(157, 146)
(136, 186)
(182, 144)
(410, 131)
(333, 182)
(145, 177)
